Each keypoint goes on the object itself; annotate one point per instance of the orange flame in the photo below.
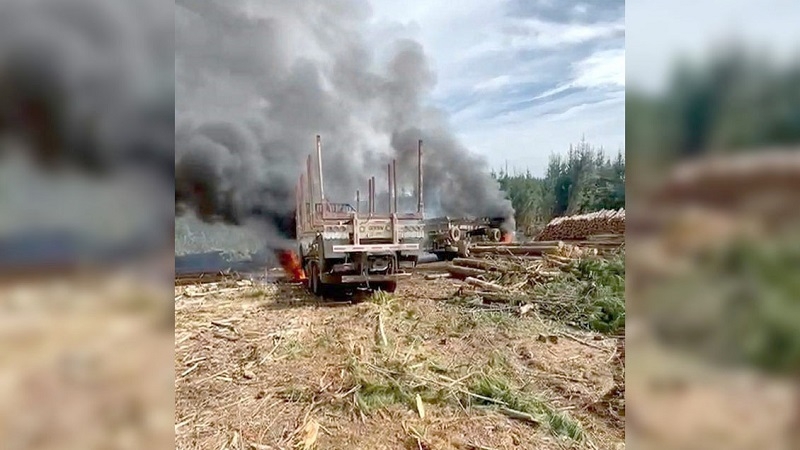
(507, 237)
(292, 265)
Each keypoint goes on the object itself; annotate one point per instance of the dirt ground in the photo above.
(266, 366)
(85, 363)
(675, 401)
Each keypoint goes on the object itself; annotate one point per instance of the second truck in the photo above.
(448, 237)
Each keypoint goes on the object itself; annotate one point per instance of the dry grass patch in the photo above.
(83, 364)
(404, 370)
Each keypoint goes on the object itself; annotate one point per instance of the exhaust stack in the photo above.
(420, 204)
(373, 207)
(369, 195)
(389, 180)
(319, 169)
(310, 200)
(394, 184)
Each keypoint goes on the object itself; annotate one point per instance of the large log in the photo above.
(559, 258)
(463, 272)
(205, 277)
(482, 264)
(484, 284)
(606, 237)
(437, 276)
(526, 250)
(501, 245)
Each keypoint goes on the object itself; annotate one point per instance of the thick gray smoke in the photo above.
(256, 81)
(89, 85)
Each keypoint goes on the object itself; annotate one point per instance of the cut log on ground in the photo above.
(616, 238)
(489, 298)
(482, 264)
(437, 276)
(185, 279)
(559, 258)
(543, 244)
(463, 272)
(526, 250)
(484, 284)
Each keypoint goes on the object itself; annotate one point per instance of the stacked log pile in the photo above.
(735, 185)
(581, 227)
(726, 180)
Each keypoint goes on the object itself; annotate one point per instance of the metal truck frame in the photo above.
(449, 237)
(341, 246)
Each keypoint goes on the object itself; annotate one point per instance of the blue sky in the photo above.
(521, 79)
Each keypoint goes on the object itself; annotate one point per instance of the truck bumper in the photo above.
(353, 279)
(375, 248)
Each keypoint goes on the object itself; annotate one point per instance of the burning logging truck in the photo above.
(342, 246)
(449, 237)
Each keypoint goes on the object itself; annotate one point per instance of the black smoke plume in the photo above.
(255, 83)
(87, 87)
(88, 84)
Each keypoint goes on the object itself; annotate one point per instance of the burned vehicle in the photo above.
(448, 237)
(342, 246)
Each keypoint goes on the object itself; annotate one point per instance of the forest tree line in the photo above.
(736, 100)
(584, 179)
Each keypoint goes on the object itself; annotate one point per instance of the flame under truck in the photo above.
(342, 246)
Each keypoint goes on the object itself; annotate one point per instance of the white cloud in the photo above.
(537, 34)
(493, 84)
(604, 68)
(516, 35)
(551, 92)
(529, 137)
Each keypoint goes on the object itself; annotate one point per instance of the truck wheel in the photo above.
(314, 282)
(455, 234)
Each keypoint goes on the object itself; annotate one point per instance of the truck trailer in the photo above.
(341, 246)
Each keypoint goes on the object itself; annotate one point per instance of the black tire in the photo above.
(314, 282)
(454, 234)
(307, 269)
(387, 286)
